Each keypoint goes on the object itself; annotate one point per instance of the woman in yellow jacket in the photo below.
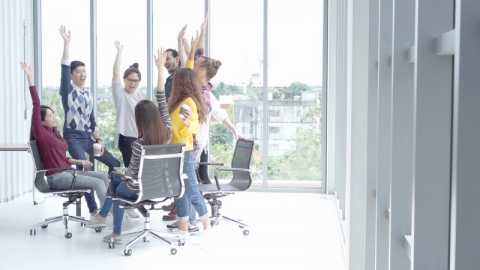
(186, 91)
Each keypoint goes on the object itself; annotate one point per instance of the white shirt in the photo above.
(125, 106)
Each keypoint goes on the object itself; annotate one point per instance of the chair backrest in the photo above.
(40, 182)
(242, 158)
(36, 155)
(160, 170)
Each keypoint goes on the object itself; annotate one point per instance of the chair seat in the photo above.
(213, 187)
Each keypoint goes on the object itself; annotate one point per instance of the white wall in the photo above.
(16, 173)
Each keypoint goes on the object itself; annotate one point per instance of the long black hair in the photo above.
(43, 111)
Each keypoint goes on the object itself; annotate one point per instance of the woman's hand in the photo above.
(182, 32)
(162, 56)
(66, 37)
(28, 71)
(203, 27)
(86, 163)
(118, 45)
(194, 43)
(186, 118)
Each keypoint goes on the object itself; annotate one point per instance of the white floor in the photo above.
(287, 231)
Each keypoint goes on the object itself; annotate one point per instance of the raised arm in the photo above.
(186, 46)
(203, 29)
(161, 99)
(65, 79)
(66, 45)
(36, 114)
(118, 60)
(181, 50)
(191, 58)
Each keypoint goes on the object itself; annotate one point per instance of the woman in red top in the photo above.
(53, 149)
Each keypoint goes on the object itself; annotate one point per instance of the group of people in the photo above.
(139, 122)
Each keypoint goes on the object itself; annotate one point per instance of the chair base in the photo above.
(64, 218)
(216, 206)
(145, 234)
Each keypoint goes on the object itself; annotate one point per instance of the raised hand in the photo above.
(194, 42)
(66, 37)
(182, 32)
(162, 56)
(204, 24)
(28, 71)
(118, 45)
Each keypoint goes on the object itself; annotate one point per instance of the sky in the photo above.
(236, 29)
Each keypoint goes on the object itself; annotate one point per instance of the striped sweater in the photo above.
(133, 168)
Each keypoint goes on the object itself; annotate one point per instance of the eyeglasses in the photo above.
(130, 81)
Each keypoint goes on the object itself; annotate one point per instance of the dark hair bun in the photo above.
(135, 65)
(217, 64)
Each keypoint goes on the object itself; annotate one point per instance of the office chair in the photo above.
(241, 182)
(73, 194)
(160, 176)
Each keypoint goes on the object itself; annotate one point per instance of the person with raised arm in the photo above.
(80, 124)
(160, 132)
(52, 147)
(186, 94)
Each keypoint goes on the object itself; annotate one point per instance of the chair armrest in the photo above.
(214, 164)
(227, 169)
(58, 169)
(121, 175)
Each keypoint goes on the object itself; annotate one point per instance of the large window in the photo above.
(127, 23)
(54, 14)
(237, 41)
(295, 79)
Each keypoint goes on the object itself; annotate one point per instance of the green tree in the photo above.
(295, 89)
(220, 134)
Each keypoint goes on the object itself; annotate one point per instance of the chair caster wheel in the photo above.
(82, 224)
(127, 252)
(68, 235)
(181, 243)
(98, 230)
(33, 232)
(246, 232)
(145, 239)
(173, 251)
(111, 245)
(241, 226)
(44, 226)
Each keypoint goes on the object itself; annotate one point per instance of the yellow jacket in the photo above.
(180, 132)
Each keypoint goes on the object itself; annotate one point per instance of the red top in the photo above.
(52, 150)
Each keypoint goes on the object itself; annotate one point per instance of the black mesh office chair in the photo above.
(160, 176)
(73, 194)
(241, 182)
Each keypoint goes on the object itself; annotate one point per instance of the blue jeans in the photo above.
(95, 180)
(192, 194)
(120, 187)
(77, 147)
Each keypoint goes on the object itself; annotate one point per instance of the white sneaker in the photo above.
(132, 213)
(109, 237)
(128, 223)
(96, 223)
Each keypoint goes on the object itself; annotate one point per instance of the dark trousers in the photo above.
(125, 146)
(203, 169)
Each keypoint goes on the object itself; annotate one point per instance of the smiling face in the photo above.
(172, 63)
(131, 82)
(79, 76)
(49, 120)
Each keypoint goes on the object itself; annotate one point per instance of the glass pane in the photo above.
(168, 19)
(237, 41)
(54, 14)
(295, 91)
(129, 26)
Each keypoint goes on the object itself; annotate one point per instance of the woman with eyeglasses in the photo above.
(126, 98)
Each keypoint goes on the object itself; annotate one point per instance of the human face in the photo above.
(199, 71)
(49, 120)
(79, 76)
(131, 82)
(171, 63)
